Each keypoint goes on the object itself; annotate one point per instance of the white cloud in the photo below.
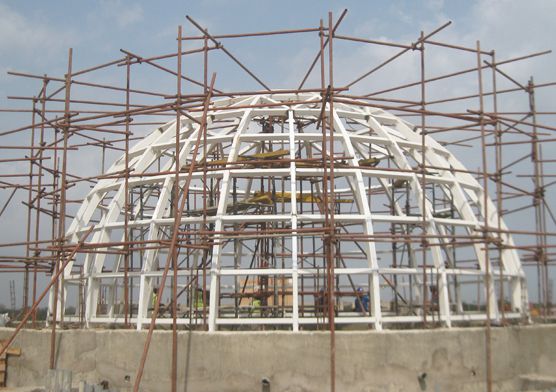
(515, 24)
(23, 36)
(132, 15)
(123, 14)
(435, 5)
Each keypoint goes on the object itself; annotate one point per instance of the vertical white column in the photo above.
(221, 210)
(293, 190)
(363, 205)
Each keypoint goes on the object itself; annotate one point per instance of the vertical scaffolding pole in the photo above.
(488, 281)
(204, 227)
(126, 198)
(29, 210)
(62, 217)
(177, 219)
(331, 225)
(325, 96)
(39, 193)
(424, 242)
(498, 180)
(539, 203)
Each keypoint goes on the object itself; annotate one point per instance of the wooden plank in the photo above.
(10, 351)
(14, 351)
(3, 343)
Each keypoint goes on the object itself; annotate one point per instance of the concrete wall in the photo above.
(293, 362)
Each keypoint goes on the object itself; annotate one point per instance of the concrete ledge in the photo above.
(534, 382)
(413, 360)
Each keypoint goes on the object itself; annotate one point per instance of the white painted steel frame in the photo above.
(389, 136)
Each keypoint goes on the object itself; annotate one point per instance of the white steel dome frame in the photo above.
(376, 155)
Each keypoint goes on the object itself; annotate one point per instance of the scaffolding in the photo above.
(308, 208)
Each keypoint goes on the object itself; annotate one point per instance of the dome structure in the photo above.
(271, 232)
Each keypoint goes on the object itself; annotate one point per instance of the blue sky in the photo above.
(35, 36)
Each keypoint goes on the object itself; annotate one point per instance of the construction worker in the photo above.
(199, 303)
(361, 301)
(256, 305)
(434, 296)
(321, 303)
(154, 298)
